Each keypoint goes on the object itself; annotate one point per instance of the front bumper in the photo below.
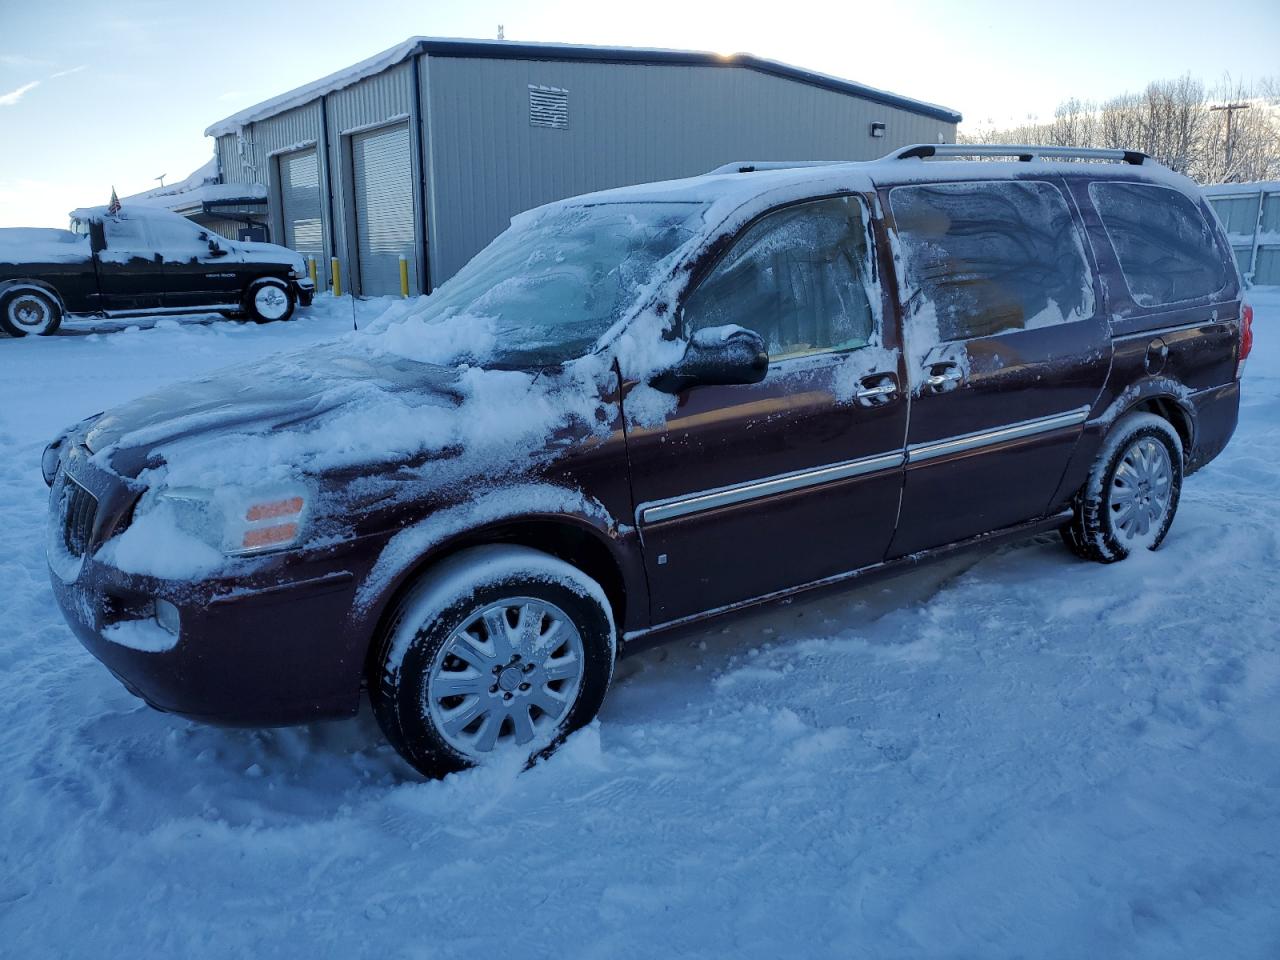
(304, 291)
(274, 645)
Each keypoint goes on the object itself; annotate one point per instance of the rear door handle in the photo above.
(940, 380)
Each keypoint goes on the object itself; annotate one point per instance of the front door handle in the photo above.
(875, 393)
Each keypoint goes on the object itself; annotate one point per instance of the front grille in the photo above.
(79, 508)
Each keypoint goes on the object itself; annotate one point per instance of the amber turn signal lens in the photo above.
(270, 536)
(274, 508)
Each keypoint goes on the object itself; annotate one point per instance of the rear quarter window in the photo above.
(991, 256)
(1166, 249)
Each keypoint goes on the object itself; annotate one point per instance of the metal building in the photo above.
(1251, 214)
(428, 149)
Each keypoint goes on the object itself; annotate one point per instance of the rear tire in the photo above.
(1131, 496)
(26, 312)
(267, 301)
(499, 648)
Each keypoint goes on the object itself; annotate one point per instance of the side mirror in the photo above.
(215, 250)
(718, 356)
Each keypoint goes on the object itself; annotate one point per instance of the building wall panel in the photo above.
(628, 123)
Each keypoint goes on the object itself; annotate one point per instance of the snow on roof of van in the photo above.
(768, 178)
(521, 50)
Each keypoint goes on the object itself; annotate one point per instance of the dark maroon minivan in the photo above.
(642, 408)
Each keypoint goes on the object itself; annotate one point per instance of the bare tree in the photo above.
(1179, 123)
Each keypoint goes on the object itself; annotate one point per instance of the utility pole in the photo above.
(160, 178)
(1231, 109)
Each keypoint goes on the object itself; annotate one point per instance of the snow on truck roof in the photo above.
(128, 211)
(521, 50)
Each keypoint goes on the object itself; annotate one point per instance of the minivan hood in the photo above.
(269, 395)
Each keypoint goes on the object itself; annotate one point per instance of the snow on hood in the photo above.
(257, 252)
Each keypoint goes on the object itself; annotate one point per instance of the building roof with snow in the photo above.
(520, 50)
(196, 192)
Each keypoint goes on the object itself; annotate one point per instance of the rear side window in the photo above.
(1166, 249)
(991, 257)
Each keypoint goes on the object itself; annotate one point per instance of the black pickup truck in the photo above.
(140, 260)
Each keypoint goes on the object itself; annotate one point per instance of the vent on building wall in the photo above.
(548, 107)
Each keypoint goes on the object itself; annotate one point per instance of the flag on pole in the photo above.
(114, 206)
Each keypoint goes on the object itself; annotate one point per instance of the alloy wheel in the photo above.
(1141, 492)
(509, 674)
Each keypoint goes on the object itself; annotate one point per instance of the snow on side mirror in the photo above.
(718, 356)
(215, 250)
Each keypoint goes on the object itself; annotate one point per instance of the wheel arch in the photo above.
(1165, 398)
(8, 287)
(584, 542)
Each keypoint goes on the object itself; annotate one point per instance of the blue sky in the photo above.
(94, 94)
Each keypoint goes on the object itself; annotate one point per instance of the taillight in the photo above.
(1246, 337)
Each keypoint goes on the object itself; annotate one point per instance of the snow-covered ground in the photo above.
(1011, 754)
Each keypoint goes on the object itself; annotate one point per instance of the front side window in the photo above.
(991, 257)
(1166, 249)
(178, 238)
(125, 235)
(800, 277)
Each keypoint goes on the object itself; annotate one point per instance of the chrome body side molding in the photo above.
(659, 510)
(917, 452)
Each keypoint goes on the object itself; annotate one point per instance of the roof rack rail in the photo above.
(1024, 152)
(751, 166)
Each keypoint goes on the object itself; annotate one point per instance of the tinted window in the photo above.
(991, 257)
(1166, 249)
(799, 277)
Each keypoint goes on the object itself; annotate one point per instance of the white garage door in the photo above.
(383, 174)
(300, 207)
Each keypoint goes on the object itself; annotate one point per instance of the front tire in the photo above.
(26, 312)
(268, 301)
(1132, 494)
(499, 649)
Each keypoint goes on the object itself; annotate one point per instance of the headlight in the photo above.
(235, 521)
(51, 459)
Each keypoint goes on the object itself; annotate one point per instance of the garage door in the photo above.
(383, 173)
(300, 207)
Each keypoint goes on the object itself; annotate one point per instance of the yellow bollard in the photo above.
(311, 270)
(337, 277)
(404, 276)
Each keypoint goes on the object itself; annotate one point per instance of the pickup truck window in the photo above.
(125, 238)
(178, 239)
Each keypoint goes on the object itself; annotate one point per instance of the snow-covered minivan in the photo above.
(642, 408)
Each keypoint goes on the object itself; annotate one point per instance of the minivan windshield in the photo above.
(556, 280)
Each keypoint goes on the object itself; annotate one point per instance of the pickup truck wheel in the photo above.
(1131, 496)
(500, 650)
(269, 300)
(29, 312)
